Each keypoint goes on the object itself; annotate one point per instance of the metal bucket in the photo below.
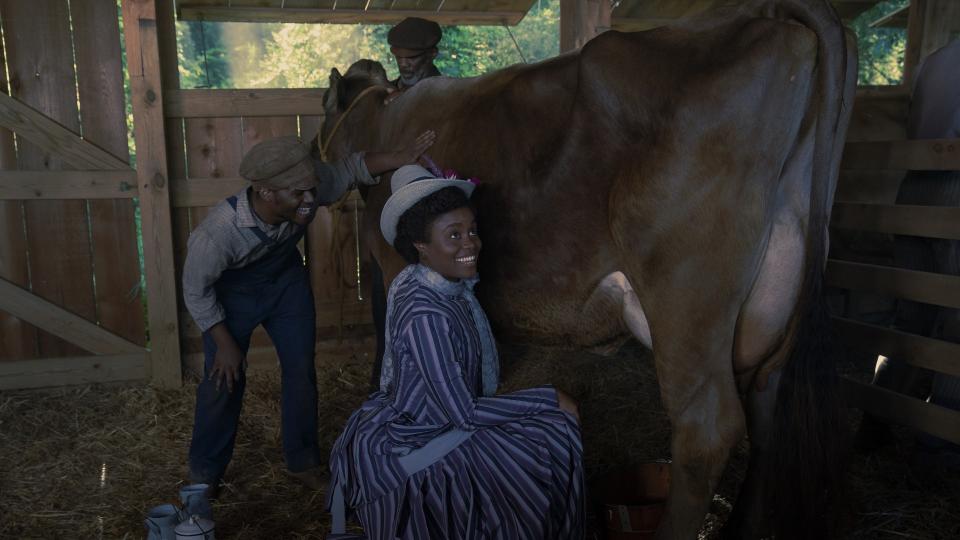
(632, 500)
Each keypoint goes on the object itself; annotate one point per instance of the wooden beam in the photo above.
(344, 16)
(921, 154)
(898, 18)
(900, 409)
(202, 103)
(50, 136)
(204, 191)
(639, 24)
(915, 350)
(41, 313)
(22, 185)
(581, 21)
(143, 58)
(54, 372)
(926, 221)
(911, 57)
(925, 287)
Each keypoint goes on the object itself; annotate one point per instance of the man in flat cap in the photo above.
(413, 43)
(243, 269)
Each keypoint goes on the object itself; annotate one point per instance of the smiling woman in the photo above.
(436, 453)
(441, 232)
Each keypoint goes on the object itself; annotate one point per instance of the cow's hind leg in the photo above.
(708, 421)
(747, 521)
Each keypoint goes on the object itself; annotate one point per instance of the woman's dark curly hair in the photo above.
(414, 224)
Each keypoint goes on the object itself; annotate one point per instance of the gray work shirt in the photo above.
(226, 240)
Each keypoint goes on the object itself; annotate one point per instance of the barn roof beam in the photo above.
(894, 19)
(632, 16)
(190, 12)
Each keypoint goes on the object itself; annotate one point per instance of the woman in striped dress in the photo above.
(434, 453)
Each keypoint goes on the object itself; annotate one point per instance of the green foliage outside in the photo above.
(273, 55)
(881, 49)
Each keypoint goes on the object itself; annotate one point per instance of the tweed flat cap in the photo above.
(279, 163)
(414, 33)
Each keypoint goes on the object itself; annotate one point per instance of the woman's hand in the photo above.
(567, 403)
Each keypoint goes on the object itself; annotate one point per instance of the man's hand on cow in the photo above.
(380, 162)
(412, 153)
(568, 404)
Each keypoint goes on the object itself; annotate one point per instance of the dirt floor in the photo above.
(88, 462)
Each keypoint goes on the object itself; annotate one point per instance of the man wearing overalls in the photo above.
(243, 269)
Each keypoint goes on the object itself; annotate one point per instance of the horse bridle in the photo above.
(323, 146)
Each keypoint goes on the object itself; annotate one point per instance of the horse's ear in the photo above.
(330, 98)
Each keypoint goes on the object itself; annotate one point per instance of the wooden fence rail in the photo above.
(941, 222)
(924, 155)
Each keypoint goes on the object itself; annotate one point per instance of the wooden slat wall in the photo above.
(79, 257)
(103, 114)
(876, 158)
(18, 339)
(57, 231)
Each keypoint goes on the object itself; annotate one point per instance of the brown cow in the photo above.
(674, 184)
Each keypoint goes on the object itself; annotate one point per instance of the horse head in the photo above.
(352, 101)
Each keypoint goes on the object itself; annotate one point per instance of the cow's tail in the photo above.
(804, 468)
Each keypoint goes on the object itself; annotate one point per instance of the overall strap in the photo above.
(256, 230)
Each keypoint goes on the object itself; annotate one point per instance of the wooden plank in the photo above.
(898, 18)
(143, 64)
(58, 235)
(208, 192)
(879, 116)
(915, 350)
(53, 137)
(214, 151)
(52, 372)
(256, 130)
(18, 339)
(922, 154)
(23, 185)
(899, 409)
(204, 103)
(103, 114)
(927, 221)
(911, 57)
(344, 16)
(173, 132)
(940, 18)
(60, 322)
(925, 287)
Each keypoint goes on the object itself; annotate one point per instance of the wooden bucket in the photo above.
(633, 500)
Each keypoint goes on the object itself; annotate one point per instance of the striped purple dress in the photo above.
(431, 457)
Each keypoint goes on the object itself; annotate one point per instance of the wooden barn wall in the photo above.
(865, 281)
(78, 254)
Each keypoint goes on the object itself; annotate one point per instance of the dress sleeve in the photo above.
(429, 339)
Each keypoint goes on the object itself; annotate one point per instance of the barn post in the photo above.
(929, 25)
(581, 21)
(143, 64)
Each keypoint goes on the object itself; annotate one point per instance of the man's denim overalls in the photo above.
(273, 291)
